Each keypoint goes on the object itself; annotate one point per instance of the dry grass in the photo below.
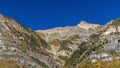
(113, 64)
(55, 42)
(10, 64)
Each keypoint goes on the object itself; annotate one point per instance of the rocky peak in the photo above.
(112, 26)
(113, 22)
(87, 26)
(110, 22)
(83, 23)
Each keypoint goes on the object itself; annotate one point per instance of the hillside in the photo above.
(74, 46)
(85, 45)
(21, 47)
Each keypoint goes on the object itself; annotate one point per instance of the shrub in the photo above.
(63, 57)
(39, 62)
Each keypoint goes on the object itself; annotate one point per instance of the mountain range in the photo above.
(85, 45)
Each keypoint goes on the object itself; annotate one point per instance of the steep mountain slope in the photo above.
(64, 41)
(21, 47)
(72, 46)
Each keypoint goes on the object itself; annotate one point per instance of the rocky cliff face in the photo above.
(73, 45)
(21, 47)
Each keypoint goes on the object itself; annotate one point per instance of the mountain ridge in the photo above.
(23, 46)
(73, 42)
(63, 47)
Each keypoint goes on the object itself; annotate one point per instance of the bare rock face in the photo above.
(22, 45)
(74, 45)
(82, 29)
(112, 27)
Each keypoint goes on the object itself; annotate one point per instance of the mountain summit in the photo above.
(83, 45)
(86, 25)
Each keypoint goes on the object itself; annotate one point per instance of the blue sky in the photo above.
(45, 14)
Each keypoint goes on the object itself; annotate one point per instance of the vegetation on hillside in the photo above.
(83, 50)
(11, 64)
(64, 45)
(100, 64)
(55, 42)
(39, 62)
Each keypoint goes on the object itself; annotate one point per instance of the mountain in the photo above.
(21, 47)
(84, 44)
